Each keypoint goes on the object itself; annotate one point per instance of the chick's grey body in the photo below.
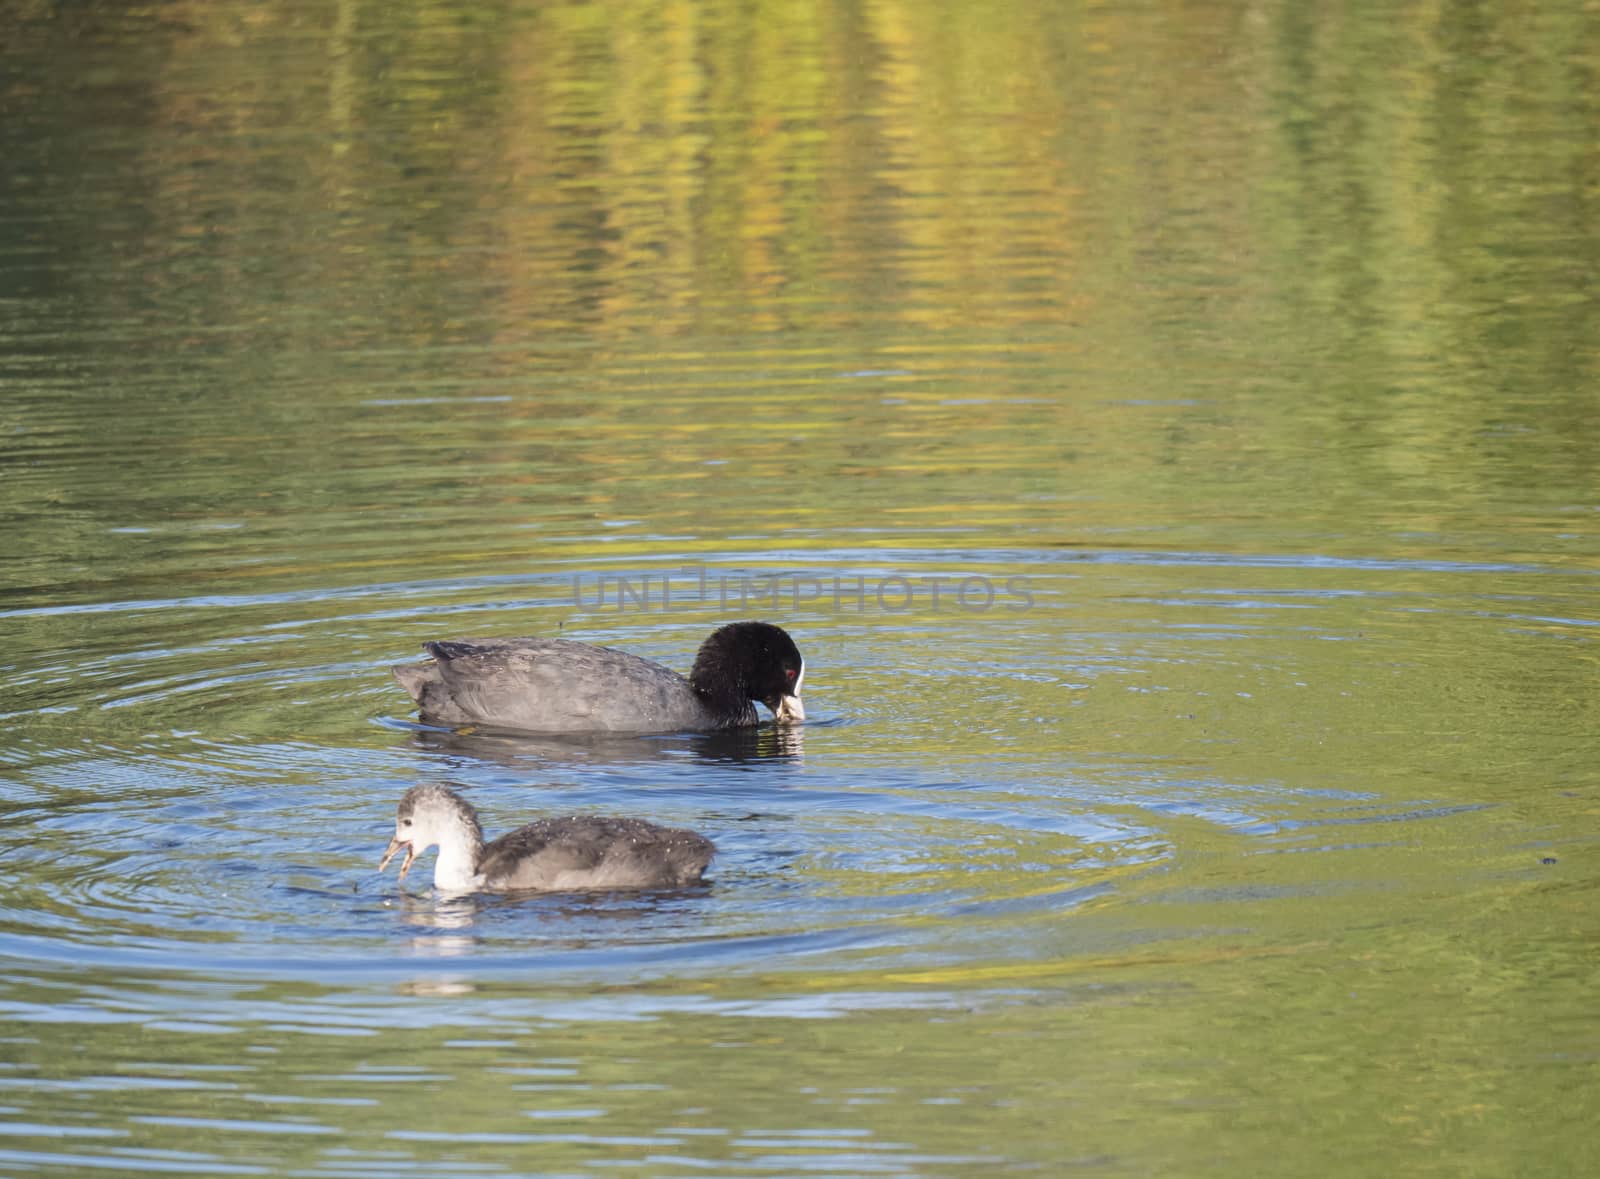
(573, 852)
(594, 851)
(562, 686)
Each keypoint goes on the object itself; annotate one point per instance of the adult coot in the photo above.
(570, 853)
(560, 686)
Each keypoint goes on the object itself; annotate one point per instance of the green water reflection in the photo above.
(1256, 341)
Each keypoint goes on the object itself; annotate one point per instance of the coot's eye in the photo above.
(788, 674)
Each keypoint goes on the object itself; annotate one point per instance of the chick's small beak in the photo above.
(395, 845)
(789, 710)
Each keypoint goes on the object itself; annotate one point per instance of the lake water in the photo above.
(1171, 434)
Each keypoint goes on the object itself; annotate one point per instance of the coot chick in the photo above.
(574, 852)
(561, 686)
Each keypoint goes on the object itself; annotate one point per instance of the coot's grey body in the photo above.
(554, 686)
(574, 852)
(561, 686)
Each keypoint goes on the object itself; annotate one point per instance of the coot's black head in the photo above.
(751, 661)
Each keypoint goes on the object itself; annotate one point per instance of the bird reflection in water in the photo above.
(506, 747)
(453, 926)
